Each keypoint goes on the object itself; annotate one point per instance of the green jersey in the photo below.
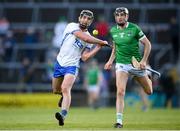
(92, 76)
(126, 42)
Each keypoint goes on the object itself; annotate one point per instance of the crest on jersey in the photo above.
(122, 34)
(129, 33)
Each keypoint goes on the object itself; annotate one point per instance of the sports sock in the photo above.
(64, 113)
(119, 117)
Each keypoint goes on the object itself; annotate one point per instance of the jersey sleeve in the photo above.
(72, 27)
(140, 33)
(89, 46)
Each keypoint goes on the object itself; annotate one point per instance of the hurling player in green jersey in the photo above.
(126, 37)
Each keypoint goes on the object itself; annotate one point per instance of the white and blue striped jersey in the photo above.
(71, 47)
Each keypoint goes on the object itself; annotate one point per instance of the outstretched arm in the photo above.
(88, 54)
(89, 39)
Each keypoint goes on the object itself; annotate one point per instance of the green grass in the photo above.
(39, 118)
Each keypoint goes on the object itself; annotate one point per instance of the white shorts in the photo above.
(128, 68)
(93, 88)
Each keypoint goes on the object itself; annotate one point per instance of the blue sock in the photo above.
(64, 113)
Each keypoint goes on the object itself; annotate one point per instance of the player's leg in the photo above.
(90, 95)
(95, 96)
(67, 84)
(146, 83)
(90, 98)
(57, 79)
(121, 81)
(69, 74)
(56, 84)
(144, 99)
(66, 87)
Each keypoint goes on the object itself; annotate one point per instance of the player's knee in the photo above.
(55, 90)
(65, 90)
(121, 92)
(148, 88)
(148, 91)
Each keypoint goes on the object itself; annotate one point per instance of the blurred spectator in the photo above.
(49, 70)
(102, 27)
(2, 51)
(30, 38)
(174, 32)
(48, 35)
(50, 58)
(26, 73)
(58, 31)
(4, 26)
(8, 43)
(92, 83)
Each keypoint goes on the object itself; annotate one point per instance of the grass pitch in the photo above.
(39, 118)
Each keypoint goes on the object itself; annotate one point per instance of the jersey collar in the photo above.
(125, 27)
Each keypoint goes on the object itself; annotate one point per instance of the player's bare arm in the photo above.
(147, 49)
(88, 54)
(108, 65)
(89, 39)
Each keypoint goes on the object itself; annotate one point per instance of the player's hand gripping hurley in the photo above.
(136, 65)
(108, 45)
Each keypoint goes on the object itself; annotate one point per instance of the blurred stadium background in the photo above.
(28, 46)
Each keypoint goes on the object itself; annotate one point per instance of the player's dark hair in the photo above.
(121, 10)
(88, 13)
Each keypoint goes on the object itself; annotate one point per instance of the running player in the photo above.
(74, 46)
(126, 37)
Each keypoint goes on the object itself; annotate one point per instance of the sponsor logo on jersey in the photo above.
(78, 43)
(122, 34)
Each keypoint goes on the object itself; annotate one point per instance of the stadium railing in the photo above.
(12, 69)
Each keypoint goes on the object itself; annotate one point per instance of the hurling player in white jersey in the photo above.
(76, 44)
